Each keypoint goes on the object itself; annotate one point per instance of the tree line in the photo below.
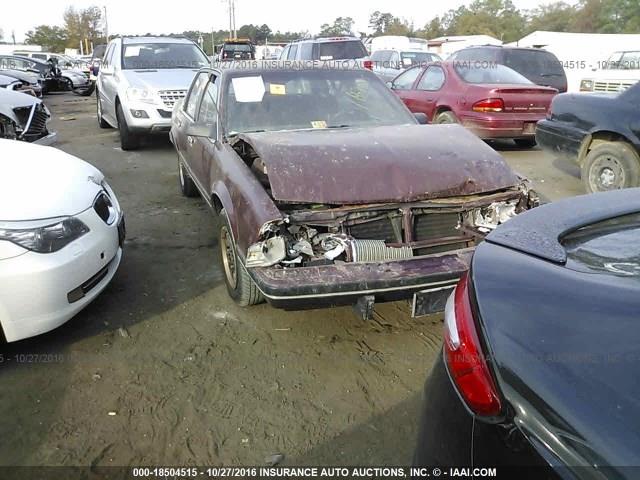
(498, 18)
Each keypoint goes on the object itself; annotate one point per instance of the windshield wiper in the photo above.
(337, 126)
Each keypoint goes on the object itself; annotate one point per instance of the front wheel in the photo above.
(610, 166)
(128, 139)
(240, 286)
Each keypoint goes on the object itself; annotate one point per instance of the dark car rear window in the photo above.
(533, 62)
(340, 50)
(610, 247)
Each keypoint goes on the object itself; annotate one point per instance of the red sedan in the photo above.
(492, 100)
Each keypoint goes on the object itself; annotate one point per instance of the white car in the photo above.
(61, 237)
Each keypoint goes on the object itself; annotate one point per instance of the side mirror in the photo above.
(201, 130)
(390, 85)
(421, 118)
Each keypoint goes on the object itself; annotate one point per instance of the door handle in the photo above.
(190, 140)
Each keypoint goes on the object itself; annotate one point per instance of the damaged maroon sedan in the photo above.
(330, 192)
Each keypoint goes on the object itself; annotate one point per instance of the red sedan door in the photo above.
(403, 85)
(428, 91)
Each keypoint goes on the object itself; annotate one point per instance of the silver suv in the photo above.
(329, 48)
(140, 80)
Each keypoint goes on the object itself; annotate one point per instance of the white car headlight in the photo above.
(45, 236)
(140, 95)
(586, 85)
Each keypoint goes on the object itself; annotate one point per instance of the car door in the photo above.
(185, 119)
(207, 120)
(428, 91)
(403, 86)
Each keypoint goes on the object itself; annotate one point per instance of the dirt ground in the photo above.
(164, 369)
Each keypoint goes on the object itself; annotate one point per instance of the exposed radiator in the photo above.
(377, 251)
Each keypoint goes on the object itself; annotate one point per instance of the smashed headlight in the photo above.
(486, 219)
(43, 237)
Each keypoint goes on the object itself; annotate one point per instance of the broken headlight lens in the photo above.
(44, 238)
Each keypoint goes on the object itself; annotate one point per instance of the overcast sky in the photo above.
(167, 16)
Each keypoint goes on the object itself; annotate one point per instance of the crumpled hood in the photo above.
(27, 77)
(380, 164)
(162, 79)
(39, 182)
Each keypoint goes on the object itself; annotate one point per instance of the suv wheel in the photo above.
(610, 166)
(239, 284)
(128, 139)
(101, 122)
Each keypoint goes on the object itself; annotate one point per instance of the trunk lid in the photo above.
(522, 98)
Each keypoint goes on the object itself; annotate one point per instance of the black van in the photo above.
(539, 66)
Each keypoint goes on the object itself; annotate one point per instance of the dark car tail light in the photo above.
(489, 105)
(464, 356)
(368, 64)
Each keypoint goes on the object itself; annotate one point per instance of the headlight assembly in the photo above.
(586, 85)
(45, 236)
(140, 95)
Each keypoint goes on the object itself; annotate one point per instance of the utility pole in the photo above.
(232, 19)
(106, 24)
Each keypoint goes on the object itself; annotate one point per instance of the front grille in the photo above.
(380, 229)
(431, 226)
(612, 87)
(38, 123)
(104, 208)
(170, 97)
(80, 292)
(33, 121)
(429, 230)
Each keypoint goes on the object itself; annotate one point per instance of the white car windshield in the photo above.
(155, 56)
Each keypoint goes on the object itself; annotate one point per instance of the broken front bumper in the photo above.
(47, 140)
(344, 283)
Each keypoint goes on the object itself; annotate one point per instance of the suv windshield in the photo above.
(162, 56)
(285, 100)
(488, 73)
(237, 47)
(624, 61)
(339, 50)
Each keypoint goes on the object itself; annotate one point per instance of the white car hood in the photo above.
(162, 79)
(39, 182)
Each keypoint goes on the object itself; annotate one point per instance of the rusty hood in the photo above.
(380, 164)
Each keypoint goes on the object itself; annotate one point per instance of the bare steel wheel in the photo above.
(611, 166)
(240, 285)
(228, 257)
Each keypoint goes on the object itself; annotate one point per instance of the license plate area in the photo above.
(433, 300)
(529, 128)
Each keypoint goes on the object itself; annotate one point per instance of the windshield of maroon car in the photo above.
(491, 73)
(142, 56)
(315, 99)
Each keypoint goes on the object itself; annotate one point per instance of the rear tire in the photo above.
(240, 285)
(446, 117)
(187, 186)
(525, 142)
(128, 139)
(101, 122)
(611, 166)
